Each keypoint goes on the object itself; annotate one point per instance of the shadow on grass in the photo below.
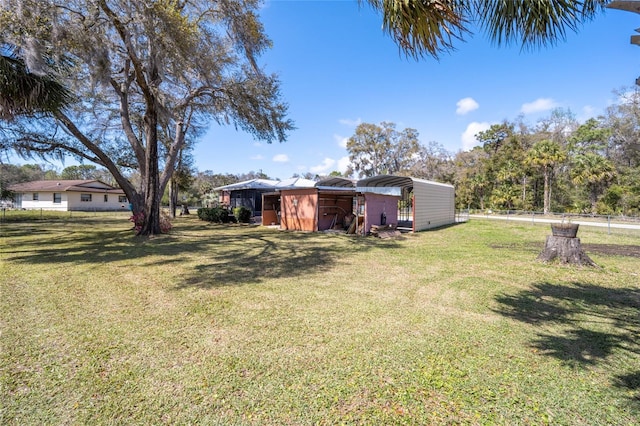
(584, 325)
(81, 240)
(265, 254)
(217, 255)
(631, 382)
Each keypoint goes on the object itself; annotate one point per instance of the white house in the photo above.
(69, 195)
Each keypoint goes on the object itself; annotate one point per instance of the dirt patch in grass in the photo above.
(601, 249)
(613, 249)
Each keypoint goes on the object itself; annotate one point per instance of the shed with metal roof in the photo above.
(247, 194)
(429, 204)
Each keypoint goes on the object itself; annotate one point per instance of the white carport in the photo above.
(433, 203)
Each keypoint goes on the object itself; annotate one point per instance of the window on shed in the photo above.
(122, 198)
(57, 198)
(106, 198)
(85, 197)
(35, 196)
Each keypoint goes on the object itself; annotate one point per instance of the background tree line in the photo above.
(558, 165)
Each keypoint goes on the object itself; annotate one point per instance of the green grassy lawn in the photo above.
(216, 324)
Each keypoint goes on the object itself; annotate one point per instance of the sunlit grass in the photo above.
(237, 324)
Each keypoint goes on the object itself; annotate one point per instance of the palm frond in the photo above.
(534, 23)
(25, 93)
(424, 27)
(430, 27)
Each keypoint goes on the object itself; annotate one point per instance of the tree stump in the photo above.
(566, 250)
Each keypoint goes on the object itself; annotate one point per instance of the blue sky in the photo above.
(339, 69)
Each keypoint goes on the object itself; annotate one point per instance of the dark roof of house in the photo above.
(64, 186)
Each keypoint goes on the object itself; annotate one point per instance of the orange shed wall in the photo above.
(300, 217)
(269, 217)
(270, 209)
(375, 205)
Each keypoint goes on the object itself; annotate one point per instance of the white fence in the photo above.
(601, 221)
(49, 214)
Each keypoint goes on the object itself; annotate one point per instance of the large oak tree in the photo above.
(375, 150)
(144, 74)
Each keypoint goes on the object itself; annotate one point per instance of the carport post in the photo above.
(355, 230)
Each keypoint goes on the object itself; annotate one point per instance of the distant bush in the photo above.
(205, 213)
(226, 216)
(213, 214)
(242, 214)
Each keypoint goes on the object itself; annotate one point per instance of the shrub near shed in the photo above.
(214, 214)
(242, 214)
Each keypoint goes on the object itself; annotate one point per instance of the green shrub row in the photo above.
(214, 214)
(223, 215)
(242, 214)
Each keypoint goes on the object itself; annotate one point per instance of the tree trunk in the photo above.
(566, 250)
(593, 199)
(151, 185)
(173, 197)
(545, 202)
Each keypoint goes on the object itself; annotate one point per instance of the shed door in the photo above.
(405, 205)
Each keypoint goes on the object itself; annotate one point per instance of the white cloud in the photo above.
(539, 105)
(281, 158)
(341, 140)
(323, 167)
(257, 157)
(257, 144)
(468, 137)
(587, 112)
(349, 122)
(343, 164)
(466, 105)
